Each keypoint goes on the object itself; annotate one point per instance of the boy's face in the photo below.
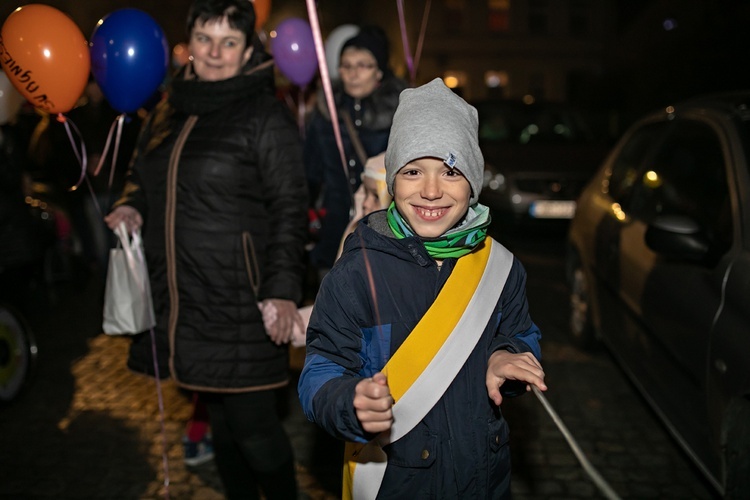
(431, 196)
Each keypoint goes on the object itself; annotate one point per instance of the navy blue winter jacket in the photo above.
(459, 450)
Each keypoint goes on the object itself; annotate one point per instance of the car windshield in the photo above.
(519, 123)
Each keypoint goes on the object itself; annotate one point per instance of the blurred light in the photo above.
(516, 198)
(272, 34)
(618, 212)
(669, 24)
(131, 51)
(495, 79)
(455, 79)
(651, 179)
(295, 47)
(46, 53)
(528, 99)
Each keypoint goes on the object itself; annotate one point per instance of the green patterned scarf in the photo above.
(457, 242)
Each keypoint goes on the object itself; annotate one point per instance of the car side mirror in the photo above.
(677, 236)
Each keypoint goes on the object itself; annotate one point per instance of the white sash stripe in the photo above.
(425, 392)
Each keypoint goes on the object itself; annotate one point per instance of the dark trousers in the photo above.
(251, 447)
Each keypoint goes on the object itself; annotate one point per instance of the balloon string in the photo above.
(80, 155)
(106, 148)
(326, 81)
(115, 152)
(405, 41)
(422, 31)
(412, 63)
(301, 111)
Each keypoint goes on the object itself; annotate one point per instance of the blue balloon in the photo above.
(129, 58)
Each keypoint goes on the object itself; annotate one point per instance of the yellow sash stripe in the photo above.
(420, 347)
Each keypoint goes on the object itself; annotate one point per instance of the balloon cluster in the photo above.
(47, 59)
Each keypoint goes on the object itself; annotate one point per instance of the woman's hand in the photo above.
(127, 214)
(286, 318)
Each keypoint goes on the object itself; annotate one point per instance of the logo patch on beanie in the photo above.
(450, 160)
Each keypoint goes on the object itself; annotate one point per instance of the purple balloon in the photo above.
(293, 49)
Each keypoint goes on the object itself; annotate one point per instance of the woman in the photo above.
(218, 185)
(366, 96)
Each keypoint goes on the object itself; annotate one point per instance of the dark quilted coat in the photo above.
(218, 178)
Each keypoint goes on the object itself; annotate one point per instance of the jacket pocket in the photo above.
(498, 464)
(415, 450)
(251, 262)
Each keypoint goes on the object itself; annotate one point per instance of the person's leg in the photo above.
(253, 418)
(236, 474)
(197, 443)
(197, 426)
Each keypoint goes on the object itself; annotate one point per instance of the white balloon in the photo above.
(10, 99)
(333, 45)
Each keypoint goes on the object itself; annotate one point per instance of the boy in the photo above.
(422, 326)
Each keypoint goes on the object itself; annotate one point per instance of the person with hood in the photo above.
(217, 184)
(422, 327)
(366, 96)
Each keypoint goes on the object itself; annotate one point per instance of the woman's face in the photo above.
(359, 72)
(218, 51)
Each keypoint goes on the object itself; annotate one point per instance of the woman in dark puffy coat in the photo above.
(217, 182)
(368, 95)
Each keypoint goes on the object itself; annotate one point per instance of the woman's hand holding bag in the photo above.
(127, 294)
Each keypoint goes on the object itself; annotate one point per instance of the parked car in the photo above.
(659, 270)
(538, 158)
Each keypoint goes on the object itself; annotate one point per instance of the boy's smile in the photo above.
(431, 196)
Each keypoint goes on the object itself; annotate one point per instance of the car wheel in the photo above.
(17, 354)
(737, 450)
(581, 324)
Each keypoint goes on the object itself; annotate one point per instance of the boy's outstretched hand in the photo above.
(373, 402)
(504, 365)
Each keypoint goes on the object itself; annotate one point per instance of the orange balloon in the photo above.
(262, 10)
(45, 56)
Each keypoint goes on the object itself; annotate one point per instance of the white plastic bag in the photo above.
(127, 294)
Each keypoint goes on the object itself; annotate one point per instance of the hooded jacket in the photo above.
(368, 303)
(218, 178)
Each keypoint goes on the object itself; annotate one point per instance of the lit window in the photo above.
(498, 15)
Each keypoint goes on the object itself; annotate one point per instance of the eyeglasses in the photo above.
(357, 67)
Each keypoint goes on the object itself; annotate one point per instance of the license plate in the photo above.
(553, 209)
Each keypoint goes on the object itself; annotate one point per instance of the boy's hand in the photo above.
(504, 365)
(373, 402)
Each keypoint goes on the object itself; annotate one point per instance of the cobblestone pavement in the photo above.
(88, 428)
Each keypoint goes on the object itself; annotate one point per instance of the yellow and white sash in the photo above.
(421, 370)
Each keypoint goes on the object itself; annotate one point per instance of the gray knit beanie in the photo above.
(433, 121)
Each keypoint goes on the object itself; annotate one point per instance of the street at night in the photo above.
(88, 428)
(607, 145)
